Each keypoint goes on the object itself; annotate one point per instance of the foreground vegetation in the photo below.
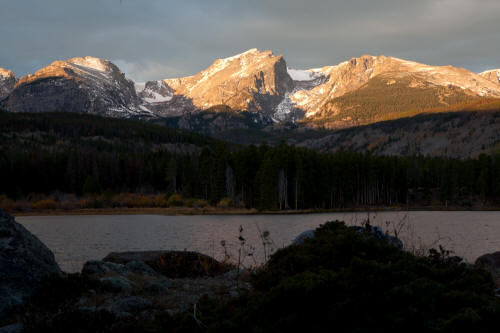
(342, 280)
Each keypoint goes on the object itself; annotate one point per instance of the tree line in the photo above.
(264, 177)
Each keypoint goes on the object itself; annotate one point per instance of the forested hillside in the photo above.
(55, 154)
(383, 97)
(463, 130)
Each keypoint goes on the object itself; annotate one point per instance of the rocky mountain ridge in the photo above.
(353, 74)
(257, 86)
(84, 85)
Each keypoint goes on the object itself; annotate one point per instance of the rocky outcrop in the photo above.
(300, 239)
(129, 287)
(101, 268)
(13, 328)
(217, 123)
(491, 262)
(24, 261)
(84, 85)
(7, 82)
(367, 228)
(378, 233)
(172, 264)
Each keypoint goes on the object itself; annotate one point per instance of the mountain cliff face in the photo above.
(7, 82)
(253, 81)
(85, 85)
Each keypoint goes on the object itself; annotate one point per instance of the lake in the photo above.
(76, 239)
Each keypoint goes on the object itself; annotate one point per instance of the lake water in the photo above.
(76, 239)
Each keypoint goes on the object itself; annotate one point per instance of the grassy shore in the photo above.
(186, 211)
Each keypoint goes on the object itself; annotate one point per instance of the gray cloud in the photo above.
(153, 39)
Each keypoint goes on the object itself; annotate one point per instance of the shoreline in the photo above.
(185, 211)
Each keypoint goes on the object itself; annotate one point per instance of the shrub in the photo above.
(44, 204)
(175, 200)
(224, 203)
(6, 204)
(348, 281)
(201, 203)
(91, 186)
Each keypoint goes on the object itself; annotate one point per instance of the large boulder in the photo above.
(367, 228)
(24, 261)
(127, 307)
(99, 269)
(491, 262)
(300, 239)
(117, 284)
(380, 234)
(172, 264)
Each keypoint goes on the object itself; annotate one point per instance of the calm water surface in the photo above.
(76, 239)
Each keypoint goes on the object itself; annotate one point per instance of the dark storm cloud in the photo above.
(152, 39)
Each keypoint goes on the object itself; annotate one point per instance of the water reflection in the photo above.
(76, 239)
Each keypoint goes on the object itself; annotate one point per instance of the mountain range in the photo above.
(253, 90)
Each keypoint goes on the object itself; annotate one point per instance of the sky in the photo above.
(157, 39)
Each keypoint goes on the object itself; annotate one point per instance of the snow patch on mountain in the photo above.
(154, 92)
(139, 86)
(303, 75)
(157, 98)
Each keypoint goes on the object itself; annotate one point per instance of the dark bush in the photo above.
(344, 281)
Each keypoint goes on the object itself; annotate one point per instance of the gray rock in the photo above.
(14, 328)
(234, 274)
(117, 284)
(9, 299)
(24, 261)
(159, 286)
(377, 232)
(173, 264)
(303, 236)
(491, 263)
(124, 307)
(139, 267)
(99, 268)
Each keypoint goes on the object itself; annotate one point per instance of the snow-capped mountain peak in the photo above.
(253, 81)
(86, 84)
(93, 63)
